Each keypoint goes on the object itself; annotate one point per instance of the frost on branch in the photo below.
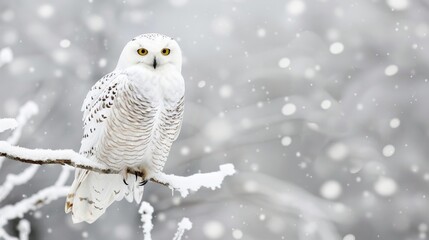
(194, 182)
(184, 225)
(48, 156)
(146, 211)
(13, 180)
(27, 111)
(7, 123)
(44, 196)
(34, 202)
(24, 229)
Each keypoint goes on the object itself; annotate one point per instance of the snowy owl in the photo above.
(131, 118)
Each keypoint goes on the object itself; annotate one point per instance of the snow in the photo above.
(47, 155)
(288, 109)
(13, 180)
(326, 104)
(286, 141)
(213, 230)
(225, 91)
(64, 175)
(284, 62)
(398, 4)
(27, 111)
(237, 234)
(46, 11)
(201, 84)
(331, 190)
(391, 70)
(349, 237)
(394, 123)
(261, 32)
(146, 211)
(222, 26)
(8, 123)
(5, 236)
(385, 186)
(336, 48)
(263, 51)
(102, 62)
(194, 182)
(338, 151)
(388, 150)
(295, 7)
(24, 229)
(65, 43)
(95, 23)
(185, 150)
(34, 202)
(178, 3)
(184, 225)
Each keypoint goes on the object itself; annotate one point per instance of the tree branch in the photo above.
(68, 157)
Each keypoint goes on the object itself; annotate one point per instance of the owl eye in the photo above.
(165, 51)
(142, 51)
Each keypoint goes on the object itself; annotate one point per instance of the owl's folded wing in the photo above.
(97, 108)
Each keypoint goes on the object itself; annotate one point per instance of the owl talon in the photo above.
(143, 183)
(125, 181)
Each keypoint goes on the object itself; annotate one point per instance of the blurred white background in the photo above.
(320, 104)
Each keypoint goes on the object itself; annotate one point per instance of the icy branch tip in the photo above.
(228, 169)
(8, 123)
(185, 224)
(146, 208)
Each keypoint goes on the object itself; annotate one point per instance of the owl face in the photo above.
(152, 51)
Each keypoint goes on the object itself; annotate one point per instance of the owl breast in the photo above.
(145, 119)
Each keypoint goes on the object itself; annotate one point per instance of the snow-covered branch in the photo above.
(181, 184)
(194, 182)
(184, 225)
(34, 202)
(13, 180)
(24, 229)
(27, 111)
(146, 211)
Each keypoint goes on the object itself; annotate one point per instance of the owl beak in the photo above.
(154, 63)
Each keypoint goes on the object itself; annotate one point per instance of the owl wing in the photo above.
(179, 112)
(95, 92)
(97, 108)
(91, 193)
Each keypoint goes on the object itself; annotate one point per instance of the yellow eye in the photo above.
(165, 51)
(142, 51)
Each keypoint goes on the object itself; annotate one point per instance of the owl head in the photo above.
(152, 51)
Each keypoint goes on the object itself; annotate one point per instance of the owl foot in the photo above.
(125, 181)
(124, 174)
(142, 183)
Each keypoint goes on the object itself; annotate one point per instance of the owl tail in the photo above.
(92, 193)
